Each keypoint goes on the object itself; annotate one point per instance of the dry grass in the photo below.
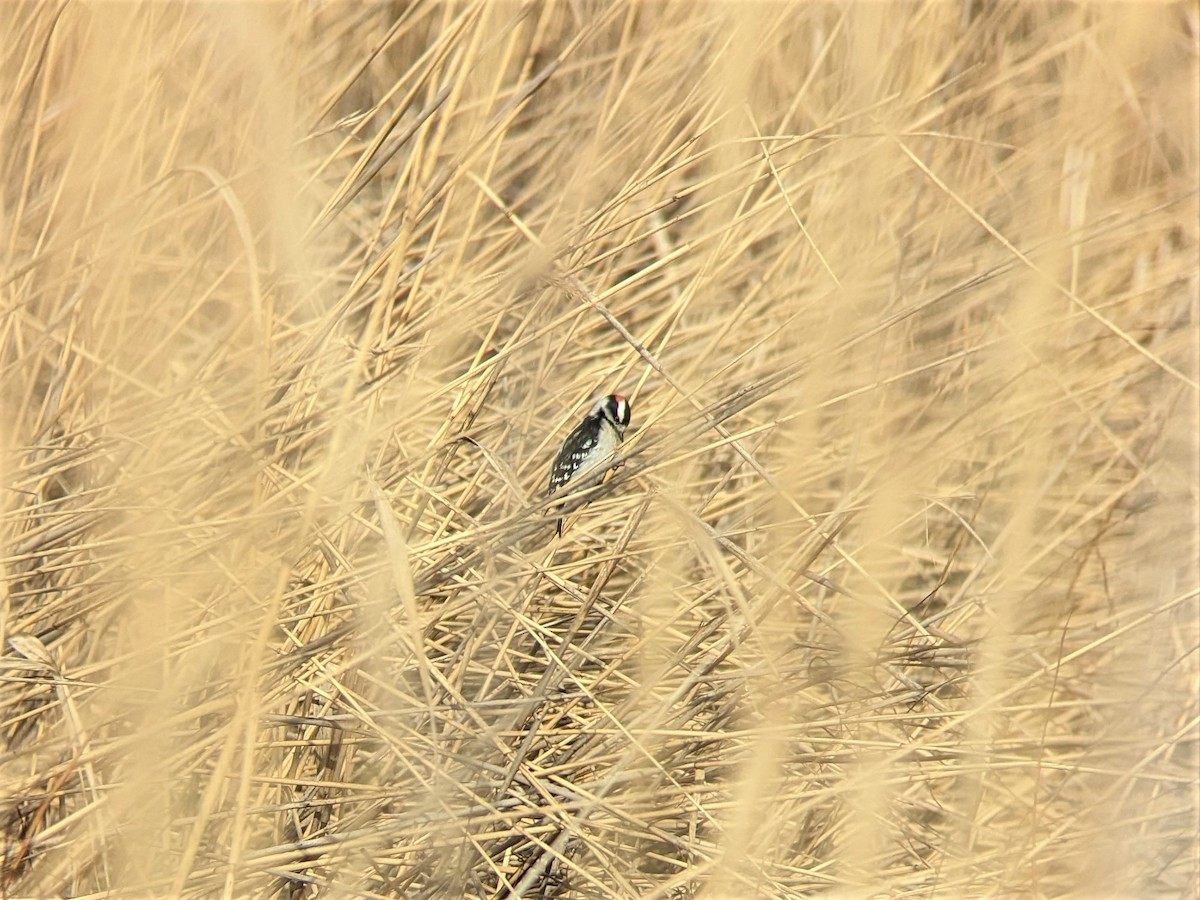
(896, 593)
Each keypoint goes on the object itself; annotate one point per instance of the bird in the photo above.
(590, 448)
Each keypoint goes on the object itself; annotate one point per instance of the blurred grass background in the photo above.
(895, 594)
